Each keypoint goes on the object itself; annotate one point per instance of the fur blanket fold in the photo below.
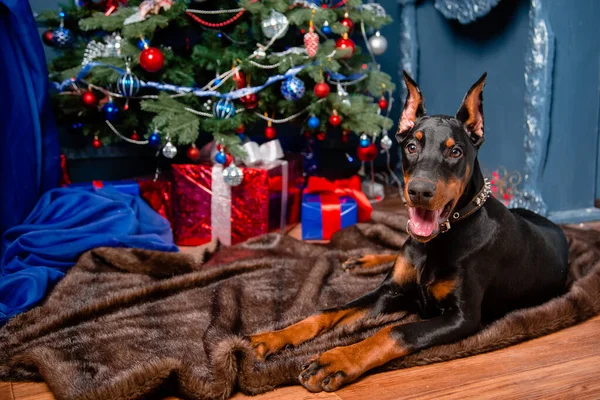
(128, 323)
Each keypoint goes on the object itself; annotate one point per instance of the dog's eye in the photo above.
(411, 148)
(456, 153)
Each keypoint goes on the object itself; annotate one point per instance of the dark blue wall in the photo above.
(452, 56)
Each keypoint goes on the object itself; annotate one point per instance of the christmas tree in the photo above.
(163, 72)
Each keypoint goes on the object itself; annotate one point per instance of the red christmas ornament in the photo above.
(96, 143)
(321, 136)
(335, 119)
(240, 129)
(347, 45)
(250, 101)
(307, 134)
(345, 136)
(368, 153)
(193, 153)
(152, 59)
(321, 90)
(228, 160)
(135, 136)
(383, 103)
(220, 147)
(270, 132)
(348, 23)
(47, 37)
(240, 79)
(89, 99)
(311, 42)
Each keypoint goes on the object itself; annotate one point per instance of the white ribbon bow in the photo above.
(266, 152)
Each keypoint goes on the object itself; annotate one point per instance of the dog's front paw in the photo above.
(352, 263)
(268, 343)
(328, 371)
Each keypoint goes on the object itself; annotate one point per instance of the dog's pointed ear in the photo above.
(470, 112)
(413, 107)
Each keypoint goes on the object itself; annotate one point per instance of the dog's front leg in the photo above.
(268, 343)
(334, 368)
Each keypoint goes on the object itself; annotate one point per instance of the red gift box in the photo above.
(205, 207)
(158, 194)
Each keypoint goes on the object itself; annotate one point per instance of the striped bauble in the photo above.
(128, 84)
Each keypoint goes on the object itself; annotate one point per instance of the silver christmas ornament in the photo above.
(386, 142)
(276, 24)
(343, 95)
(232, 175)
(169, 151)
(378, 44)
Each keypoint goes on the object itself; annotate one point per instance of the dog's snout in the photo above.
(421, 191)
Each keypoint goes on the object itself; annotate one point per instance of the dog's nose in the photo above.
(421, 191)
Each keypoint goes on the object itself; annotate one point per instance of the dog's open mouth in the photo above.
(424, 222)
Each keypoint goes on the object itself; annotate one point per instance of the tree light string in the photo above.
(112, 128)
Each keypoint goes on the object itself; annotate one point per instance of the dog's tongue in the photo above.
(423, 222)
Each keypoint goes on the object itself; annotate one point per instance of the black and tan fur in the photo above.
(488, 264)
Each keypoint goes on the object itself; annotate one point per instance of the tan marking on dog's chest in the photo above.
(442, 288)
(404, 271)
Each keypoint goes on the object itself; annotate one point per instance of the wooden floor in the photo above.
(564, 365)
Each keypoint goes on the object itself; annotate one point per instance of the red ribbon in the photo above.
(330, 193)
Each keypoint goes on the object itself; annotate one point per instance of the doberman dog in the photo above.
(468, 259)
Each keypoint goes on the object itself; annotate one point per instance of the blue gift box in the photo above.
(129, 187)
(312, 215)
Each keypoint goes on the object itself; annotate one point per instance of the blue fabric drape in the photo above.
(29, 150)
(65, 223)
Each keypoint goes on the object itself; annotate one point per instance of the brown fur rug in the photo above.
(127, 324)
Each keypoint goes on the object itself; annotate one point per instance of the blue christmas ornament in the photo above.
(364, 141)
(61, 14)
(143, 43)
(154, 139)
(326, 29)
(80, 3)
(221, 157)
(313, 122)
(292, 89)
(128, 84)
(224, 109)
(62, 37)
(217, 81)
(110, 110)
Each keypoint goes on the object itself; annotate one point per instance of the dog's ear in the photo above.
(413, 107)
(470, 112)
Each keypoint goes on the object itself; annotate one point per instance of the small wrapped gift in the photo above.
(328, 206)
(158, 194)
(129, 187)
